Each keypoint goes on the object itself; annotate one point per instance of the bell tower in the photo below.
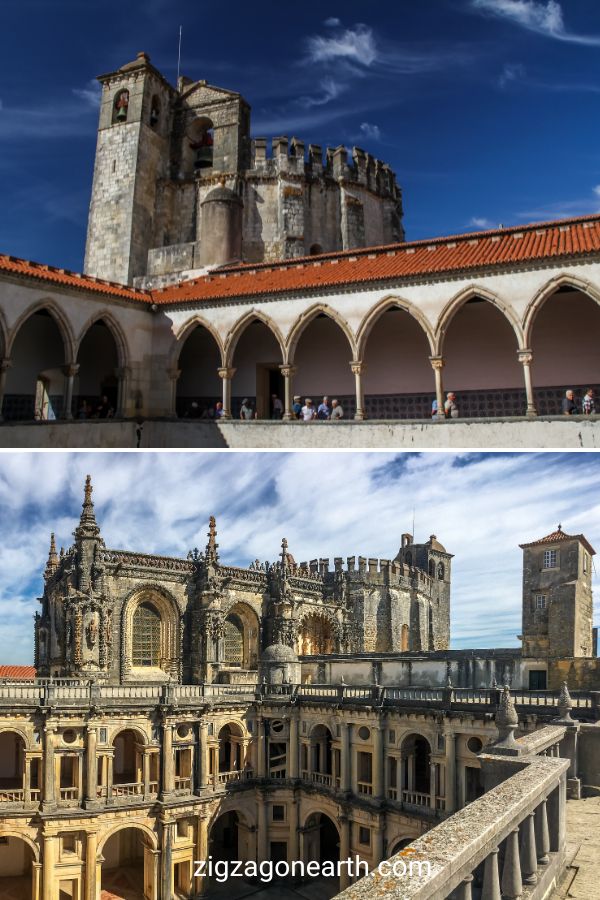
(132, 153)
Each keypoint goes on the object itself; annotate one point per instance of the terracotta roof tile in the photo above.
(559, 536)
(23, 267)
(18, 673)
(416, 259)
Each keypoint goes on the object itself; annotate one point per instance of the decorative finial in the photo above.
(565, 704)
(88, 527)
(212, 554)
(559, 526)
(52, 564)
(507, 719)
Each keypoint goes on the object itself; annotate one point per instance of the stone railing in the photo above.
(513, 836)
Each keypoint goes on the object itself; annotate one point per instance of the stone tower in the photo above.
(557, 596)
(431, 609)
(179, 186)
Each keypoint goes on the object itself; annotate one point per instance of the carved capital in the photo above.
(226, 372)
(437, 362)
(525, 357)
(288, 371)
(70, 370)
(357, 367)
(5, 364)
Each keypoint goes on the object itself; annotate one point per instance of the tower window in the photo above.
(540, 601)
(154, 111)
(441, 571)
(550, 559)
(146, 636)
(234, 643)
(585, 562)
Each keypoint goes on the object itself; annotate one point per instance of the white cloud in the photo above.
(330, 90)
(332, 22)
(371, 132)
(356, 45)
(561, 209)
(480, 222)
(510, 73)
(542, 18)
(90, 94)
(161, 503)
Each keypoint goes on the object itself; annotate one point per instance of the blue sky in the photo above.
(481, 507)
(486, 109)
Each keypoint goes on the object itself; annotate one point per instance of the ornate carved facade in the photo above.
(118, 616)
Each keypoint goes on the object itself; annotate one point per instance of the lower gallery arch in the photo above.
(16, 870)
(322, 360)
(35, 383)
(321, 842)
(398, 381)
(128, 865)
(560, 364)
(256, 360)
(199, 387)
(98, 375)
(481, 363)
(229, 837)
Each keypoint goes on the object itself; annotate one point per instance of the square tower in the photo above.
(557, 596)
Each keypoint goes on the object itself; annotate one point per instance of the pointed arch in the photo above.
(375, 313)
(60, 320)
(309, 316)
(184, 332)
(547, 291)
(473, 292)
(169, 637)
(116, 331)
(240, 326)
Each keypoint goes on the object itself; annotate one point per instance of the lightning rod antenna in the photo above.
(179, 55)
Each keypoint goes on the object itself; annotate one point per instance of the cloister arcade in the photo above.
(127, 865)
(383, 358)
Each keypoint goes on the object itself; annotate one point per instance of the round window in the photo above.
(276, 726)
(183, 731)
(364, 733)
(474, 744)
(69, 736)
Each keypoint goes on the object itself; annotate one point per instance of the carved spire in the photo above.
(284, 553)
(507, 719)
(52, 564)
(88, 527)
(212, 554)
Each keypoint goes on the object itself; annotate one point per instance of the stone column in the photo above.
(542, 836)
(512, 886)
(556, 815)
(91, 770)
(69, 371)
(358, 368)
(146, 771)
(344, 851)
(432, 784)
(201, 852)
(173, 376)
(123, 374)
(379, 840)
(167, 860)
(49, 800)
(91, 850)
(525, 358)
(528, 850)
(288, 373)
(345, 757)
(378, 772)
(5, 365)
(168, 772)
(263, 828)
(293, 771)
(202, 771)
(109, 776)
(260, 737)
(36, 881)
(48, 872)
(27, 780)
(450, 771)
(226, 374)
(463, 891)
(155, 873)
(437, 363)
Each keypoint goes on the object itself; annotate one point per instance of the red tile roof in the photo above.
(465, 252)
(559, 536)
(17, 673)
(23, 267)
(568, 237)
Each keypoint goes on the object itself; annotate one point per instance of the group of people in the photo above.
(325, 411)
(571, 407)
(104, 410)
(450, 408)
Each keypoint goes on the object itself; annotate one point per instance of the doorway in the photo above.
(269, 381)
